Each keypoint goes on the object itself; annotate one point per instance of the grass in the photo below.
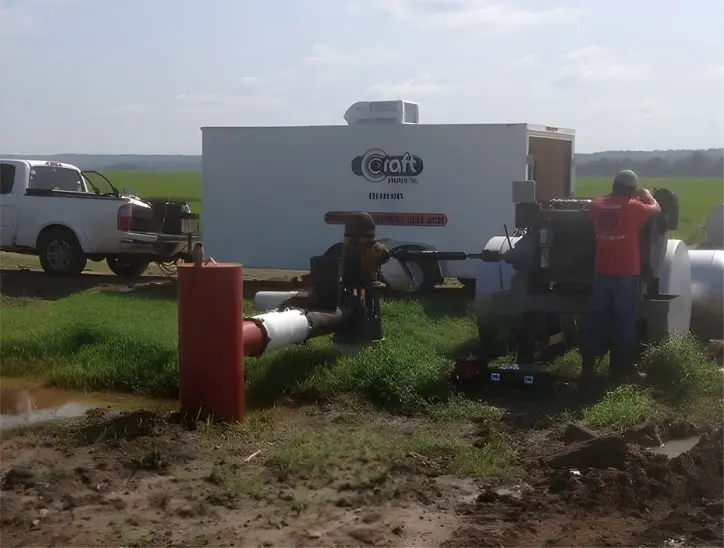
(381, 444)
(624, 407)
(682, 381)
(180, 185)
(110, 341)
(697, 195)
(116, 342)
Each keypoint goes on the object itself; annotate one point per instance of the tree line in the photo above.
(697, 163)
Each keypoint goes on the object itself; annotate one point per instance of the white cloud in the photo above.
(241, 94)
(15, 21)
(324, 58)
(247, 81)
(225, 102)
(328, 68)
(21, 17)
(455, 14)
(526, 62)
(419, 86)
(595, 66)
(122, 109)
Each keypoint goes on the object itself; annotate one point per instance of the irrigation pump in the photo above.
(342, 297)
(535, 282)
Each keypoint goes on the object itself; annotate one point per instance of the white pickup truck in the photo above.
(55, 211)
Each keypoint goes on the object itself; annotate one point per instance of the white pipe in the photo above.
(284, 328)
(707, 291)
(271, 300)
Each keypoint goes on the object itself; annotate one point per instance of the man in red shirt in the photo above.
(617, 220)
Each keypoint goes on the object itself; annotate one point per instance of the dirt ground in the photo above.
(141, 479)
(23, 281)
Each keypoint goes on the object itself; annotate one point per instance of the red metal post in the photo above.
(210, 341)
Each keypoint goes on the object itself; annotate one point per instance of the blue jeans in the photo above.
(611, 319)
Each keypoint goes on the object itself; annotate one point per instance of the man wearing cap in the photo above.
(617, 220)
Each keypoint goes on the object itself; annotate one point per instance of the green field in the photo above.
(180, 185)
(697, 195)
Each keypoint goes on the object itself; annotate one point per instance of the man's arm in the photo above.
(650, 203)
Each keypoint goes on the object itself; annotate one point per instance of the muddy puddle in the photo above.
(674, 448)
(23, 404)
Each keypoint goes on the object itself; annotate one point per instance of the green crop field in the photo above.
(181, 185)
(697, 195)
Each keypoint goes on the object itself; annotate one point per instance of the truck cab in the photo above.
(56, 211)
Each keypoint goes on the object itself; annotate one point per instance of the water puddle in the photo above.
(674, 448)
(23, 404)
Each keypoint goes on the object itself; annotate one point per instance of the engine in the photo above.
(551, 252)
(163, 217)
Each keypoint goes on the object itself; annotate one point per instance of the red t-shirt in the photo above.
(617, 222)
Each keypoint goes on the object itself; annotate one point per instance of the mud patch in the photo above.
(140, 479)
(606, 492)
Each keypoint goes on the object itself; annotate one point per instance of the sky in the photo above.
(142, 76)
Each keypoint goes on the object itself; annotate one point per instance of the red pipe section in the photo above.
(210, 341)
(254, 338)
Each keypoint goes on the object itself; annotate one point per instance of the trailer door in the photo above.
(550, 164)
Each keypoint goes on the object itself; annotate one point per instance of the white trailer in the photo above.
(273, 195)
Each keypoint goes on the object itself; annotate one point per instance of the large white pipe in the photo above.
(707, 291)
(284, 328)
(271, 300)
(674, 279)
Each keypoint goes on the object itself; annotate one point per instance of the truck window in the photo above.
(57, 178)
(7, 178)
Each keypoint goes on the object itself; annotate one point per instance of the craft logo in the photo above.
(377, 167)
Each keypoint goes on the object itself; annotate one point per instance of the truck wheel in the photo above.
(60, 253)
(127, 267)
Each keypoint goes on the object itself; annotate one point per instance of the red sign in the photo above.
(391, 219)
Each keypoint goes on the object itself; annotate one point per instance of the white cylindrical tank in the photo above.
(271, 300)
(707, 290)
(675, 279)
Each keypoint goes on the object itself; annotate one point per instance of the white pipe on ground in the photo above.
(271, 300)
(707, 290)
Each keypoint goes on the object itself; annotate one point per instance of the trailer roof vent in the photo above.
(382, 112)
